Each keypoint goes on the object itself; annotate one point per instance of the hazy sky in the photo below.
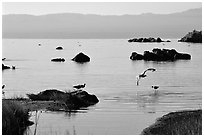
(102, 8)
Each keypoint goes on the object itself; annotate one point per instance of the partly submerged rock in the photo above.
(5, 67)
(81, 58)
(59, 48)
(70, 100)
(58, 60)
(160, 55)
(136, 56)
(194, 37)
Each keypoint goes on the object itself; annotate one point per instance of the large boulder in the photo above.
(81, 58)
(187, 122)
(194, 37)
(159, 40)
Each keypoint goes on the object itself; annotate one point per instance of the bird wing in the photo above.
(149, 69)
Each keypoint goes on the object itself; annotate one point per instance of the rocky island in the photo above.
(194, 37)
(160, 55)
(150, 39)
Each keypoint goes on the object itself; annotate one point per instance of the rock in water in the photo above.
(58, 60)
(81, 58)
(73, 100)
(5, 67)
(59, 48)
(136, 56)
(194, 37)
(160, 55)
(150, 39)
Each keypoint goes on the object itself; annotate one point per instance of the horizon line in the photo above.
(102, 14)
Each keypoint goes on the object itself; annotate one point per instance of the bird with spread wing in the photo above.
(143, 75)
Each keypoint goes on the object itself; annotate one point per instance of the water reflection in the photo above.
(73, 113)
(148, 102)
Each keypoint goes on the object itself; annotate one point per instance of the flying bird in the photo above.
(143, 75)
(79, 86)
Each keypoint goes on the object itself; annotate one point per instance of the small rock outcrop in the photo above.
(59, 48)
(150, 39)
(5, 67)
(72, 100)
(58, 60)
(194, 37)
(136, 56)
(81, 58)
(160, 55)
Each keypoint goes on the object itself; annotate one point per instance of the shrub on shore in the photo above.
(177, 123)
(15, 119)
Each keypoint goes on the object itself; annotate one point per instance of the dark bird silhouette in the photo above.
(3, 59)
(143, 75)
(3, 92)
(155, 88)
(79, 86)
(39, 44)
(13, 67)
(3, 86)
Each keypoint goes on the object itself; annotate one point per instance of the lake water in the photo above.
(124, 108)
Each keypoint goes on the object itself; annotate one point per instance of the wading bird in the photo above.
(155, 88)
(13, 67)
(3, 92)
(79, 86)
(143, 75)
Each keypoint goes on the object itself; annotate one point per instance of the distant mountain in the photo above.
(72, 25)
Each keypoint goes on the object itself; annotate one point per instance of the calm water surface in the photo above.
(124, 108)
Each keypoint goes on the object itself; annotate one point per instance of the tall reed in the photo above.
(15, 119)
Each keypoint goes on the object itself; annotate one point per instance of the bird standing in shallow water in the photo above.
(3, 92)
(155, 88)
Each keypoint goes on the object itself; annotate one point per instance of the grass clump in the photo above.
(15, 119)
(177, 123)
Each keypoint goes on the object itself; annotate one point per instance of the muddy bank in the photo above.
(56, 100)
